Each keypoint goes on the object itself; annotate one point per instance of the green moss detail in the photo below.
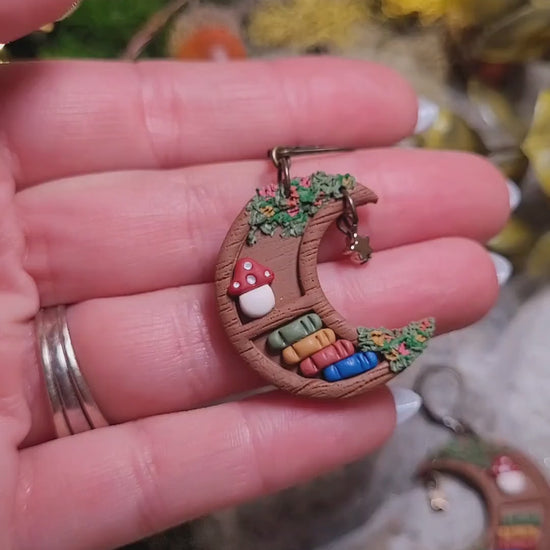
(400, 347)
(471, 449)
(270, 210)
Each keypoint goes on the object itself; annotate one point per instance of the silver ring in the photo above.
(74, 409)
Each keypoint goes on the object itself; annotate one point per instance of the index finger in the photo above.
(66, 118)
(20, 17)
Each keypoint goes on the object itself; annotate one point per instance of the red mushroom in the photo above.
(251, 283)
(508, 476)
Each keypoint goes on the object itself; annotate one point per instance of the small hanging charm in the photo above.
(515, 491)
(271, 302)
(357, 248)
(251, 284)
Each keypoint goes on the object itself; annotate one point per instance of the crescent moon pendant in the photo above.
(288, 254)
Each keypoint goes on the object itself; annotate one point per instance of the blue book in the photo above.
(351, 366)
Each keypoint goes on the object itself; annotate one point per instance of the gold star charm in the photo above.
(359, 249)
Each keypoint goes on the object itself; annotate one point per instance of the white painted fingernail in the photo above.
(407, 403)
(428, 111)
(515, 194)
(503, 267)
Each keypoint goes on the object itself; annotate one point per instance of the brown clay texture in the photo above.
(297, 291)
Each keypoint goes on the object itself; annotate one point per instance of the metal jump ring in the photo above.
(280, 156)
(449, 420)
(348, 221)
(283, 174)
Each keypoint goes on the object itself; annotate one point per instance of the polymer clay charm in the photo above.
(251, 283)
(314, 365)
(271, 303)
(515, 491)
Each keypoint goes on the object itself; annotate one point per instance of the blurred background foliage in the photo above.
(97, 29)
(485, 64)
(101, 28)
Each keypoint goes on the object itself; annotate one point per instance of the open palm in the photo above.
(117, 185)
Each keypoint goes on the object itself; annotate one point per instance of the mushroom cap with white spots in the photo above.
(249, 275)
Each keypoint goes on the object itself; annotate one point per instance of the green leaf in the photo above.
(102, 28)
(251, 239)
(257, 218)
(402, 362)
(471, 449)
(400, 347)
(268, 228)
(307, 196)
(285, 233)
(323, 188)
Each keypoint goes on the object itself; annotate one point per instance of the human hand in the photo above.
(117, 185)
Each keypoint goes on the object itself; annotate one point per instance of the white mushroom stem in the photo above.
(512, 483)
(257, 302)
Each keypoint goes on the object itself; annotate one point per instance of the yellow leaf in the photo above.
(537, 143)
(521, 36)
(462, 14)
(497, 112)
(450, 131)
(303, 24)
(515, 239)
(428, 11)
(513, 163)
(538, 262)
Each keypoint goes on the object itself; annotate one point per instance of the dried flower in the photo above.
(269, 191)
(267, 211)
(292, 201)
(294, 211)
(402, 349)
(347, 181)
(377, 337)
(426, 324)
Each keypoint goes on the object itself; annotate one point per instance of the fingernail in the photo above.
(428, 111)
(407, 403)
(515, 194)
(503, 267)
